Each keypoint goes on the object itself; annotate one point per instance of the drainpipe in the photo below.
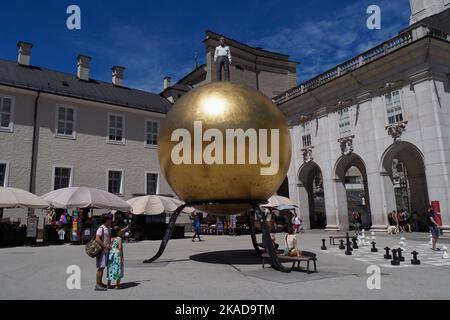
(256, 72)
(34, 148)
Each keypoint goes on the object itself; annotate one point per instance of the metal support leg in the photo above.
(167, 235)
(251, 217)
(268, 243)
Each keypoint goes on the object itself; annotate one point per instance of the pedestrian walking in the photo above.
(434, 227)
(197, 228)
(357, 222)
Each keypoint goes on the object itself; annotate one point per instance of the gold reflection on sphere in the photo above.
(224, 106)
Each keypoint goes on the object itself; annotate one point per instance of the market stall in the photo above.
(71, 218)
(151, 215)
(15, 233)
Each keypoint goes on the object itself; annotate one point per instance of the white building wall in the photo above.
(89, 155)
(428, 129)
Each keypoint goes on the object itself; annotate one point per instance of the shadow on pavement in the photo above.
(234, 257)
(129, 285)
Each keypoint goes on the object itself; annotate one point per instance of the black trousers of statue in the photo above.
(222, 62)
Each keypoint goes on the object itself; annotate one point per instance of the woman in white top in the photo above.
(291, 243)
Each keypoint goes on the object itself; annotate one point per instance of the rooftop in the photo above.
(256, 51)
(64, 84)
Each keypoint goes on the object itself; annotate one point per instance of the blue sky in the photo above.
(157, 38)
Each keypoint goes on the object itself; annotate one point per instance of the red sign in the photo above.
(436, 206)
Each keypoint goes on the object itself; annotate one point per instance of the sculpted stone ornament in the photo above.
(396, 130)
(308, 154)
(346, 145)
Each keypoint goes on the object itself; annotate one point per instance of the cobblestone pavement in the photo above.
(226, 267)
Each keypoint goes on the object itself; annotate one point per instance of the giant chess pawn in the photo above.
(400, 256)
(395, 261)
(367, 240)
(359, 238)
(415, 261)
(445, 254)
(373, 236)
(402, 243)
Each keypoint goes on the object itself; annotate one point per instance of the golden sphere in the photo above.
(202, 159)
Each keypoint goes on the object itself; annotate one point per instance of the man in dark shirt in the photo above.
(433, 226)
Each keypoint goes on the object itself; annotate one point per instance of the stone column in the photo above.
(331, 207)
(341, 204)
(436, 150)
(382, 198)
(304, 205)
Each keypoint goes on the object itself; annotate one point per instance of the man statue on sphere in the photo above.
(222, 58)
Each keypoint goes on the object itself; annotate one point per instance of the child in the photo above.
(115, 259)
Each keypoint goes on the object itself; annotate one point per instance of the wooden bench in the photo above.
(307, 257)
(334, 237)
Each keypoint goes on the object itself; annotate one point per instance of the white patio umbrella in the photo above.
(84, 197)
(277, 201)
(18, 198)
(154, 205)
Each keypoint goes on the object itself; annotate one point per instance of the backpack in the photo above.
(93, 248)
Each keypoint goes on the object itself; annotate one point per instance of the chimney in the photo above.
(24, 53)
(117, 75)
(83, 67)
(167, 81)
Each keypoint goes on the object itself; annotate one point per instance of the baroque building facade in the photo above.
(373, 134)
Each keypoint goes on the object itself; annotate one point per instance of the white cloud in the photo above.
(323, 43)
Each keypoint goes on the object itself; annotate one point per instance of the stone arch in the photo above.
(352, 191)
(311, 195)
(404, 164)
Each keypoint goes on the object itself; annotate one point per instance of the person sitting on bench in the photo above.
(291, 243)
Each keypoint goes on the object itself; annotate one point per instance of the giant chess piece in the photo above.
(341, 246)
(359, 238)
(395, 261)
(324, 247)
(430, 243)
(388, 256)
(402, 243)
(348, 251)
(373, 235)
(355, 243)
(445, 254)
(363, 237)
(374, 249)
(348, 243)
(415, 261)
(400, 256)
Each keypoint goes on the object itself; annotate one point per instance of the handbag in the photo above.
(93, 248)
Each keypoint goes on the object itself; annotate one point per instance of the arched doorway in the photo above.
(404, 164)
(351, 173)
(312, 196)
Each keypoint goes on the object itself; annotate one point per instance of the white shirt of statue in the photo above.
(222, 52)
